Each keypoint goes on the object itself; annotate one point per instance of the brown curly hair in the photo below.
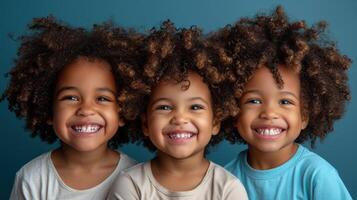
(270, 40)
(172, 53)
(53, 45)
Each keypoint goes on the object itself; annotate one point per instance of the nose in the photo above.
(180, 117)
(86, 109)
(269, 112)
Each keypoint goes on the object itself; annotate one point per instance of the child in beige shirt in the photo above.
(181, 117)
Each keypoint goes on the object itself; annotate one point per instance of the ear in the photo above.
(49, 122)
(121, 122)
(216, 127)
(144, 124)
(305, 122)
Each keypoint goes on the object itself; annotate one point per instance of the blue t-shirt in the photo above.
(305, 176)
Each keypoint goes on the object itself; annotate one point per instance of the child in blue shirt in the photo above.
(291, 86)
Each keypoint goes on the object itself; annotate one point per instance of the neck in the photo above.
(167, 164)
(88, 159)
(268, 160)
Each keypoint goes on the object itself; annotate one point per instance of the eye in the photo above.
(104, 99)
(285, 102)
(163, 107)
(197, 107)
(69, 98)
(253, 101)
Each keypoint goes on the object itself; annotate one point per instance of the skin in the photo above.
(173, 112)
(85, 118)
(266, 107)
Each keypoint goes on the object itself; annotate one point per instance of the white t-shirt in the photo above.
(138, 182)
(39, 180)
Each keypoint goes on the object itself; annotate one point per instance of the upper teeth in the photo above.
(87, 128)
(180, 135)
(270, 131)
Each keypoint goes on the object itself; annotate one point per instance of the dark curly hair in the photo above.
(172, 53)
(53, 45)
(270, 40)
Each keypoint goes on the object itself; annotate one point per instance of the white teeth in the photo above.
(86, 128)
(270, 131)
(180, 135)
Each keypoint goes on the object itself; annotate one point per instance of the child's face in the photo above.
(270, 118)
(180, 122)
(85, 109)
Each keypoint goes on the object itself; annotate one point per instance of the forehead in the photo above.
(174, 90)
(263, 79)
(86, 73)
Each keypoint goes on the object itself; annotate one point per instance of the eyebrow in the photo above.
(250, 91)
(199, 98)
(289, 93)
(65, 88)
(104, 89)
(281, 92)
(168, 99)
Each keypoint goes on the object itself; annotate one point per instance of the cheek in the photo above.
(61, 111)
(59, 116)
(203, 122)
(239, 127)
(112, 116)
(240, 120)
(295, 117)
(243, 122)
(156, 124)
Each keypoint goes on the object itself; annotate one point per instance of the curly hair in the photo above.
(270, 40)
(53, 45)
(172, 53)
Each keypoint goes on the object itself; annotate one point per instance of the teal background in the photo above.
(17, 147)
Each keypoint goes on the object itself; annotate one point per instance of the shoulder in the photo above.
(312, 163)
(31, 177)
(129, 183)
(235, 165)
(322, 177)
(317, 171)
(221, 172)
(222, 176)
(136, 168)
(35, 167)
(126, 161)
(230, 185)
(135, 174)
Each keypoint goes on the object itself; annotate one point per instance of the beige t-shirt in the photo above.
(38, 180)
(138, 182)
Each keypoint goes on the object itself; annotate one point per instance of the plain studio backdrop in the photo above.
(16, 145)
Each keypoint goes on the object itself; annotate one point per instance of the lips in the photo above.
(89, 128)
(180, 135)
(269, 131)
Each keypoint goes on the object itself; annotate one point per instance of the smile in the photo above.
(269, 131)
(89, 128)
(182, 135)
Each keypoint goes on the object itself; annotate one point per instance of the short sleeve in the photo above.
(123, 188)
(328, 185)
(235, 191)
(20, 189)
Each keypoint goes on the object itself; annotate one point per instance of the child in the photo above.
(65, 83)
(180, 117)
(292, 87)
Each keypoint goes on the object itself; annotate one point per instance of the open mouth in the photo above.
(86, 129)
(181, 135)
(269, 131)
